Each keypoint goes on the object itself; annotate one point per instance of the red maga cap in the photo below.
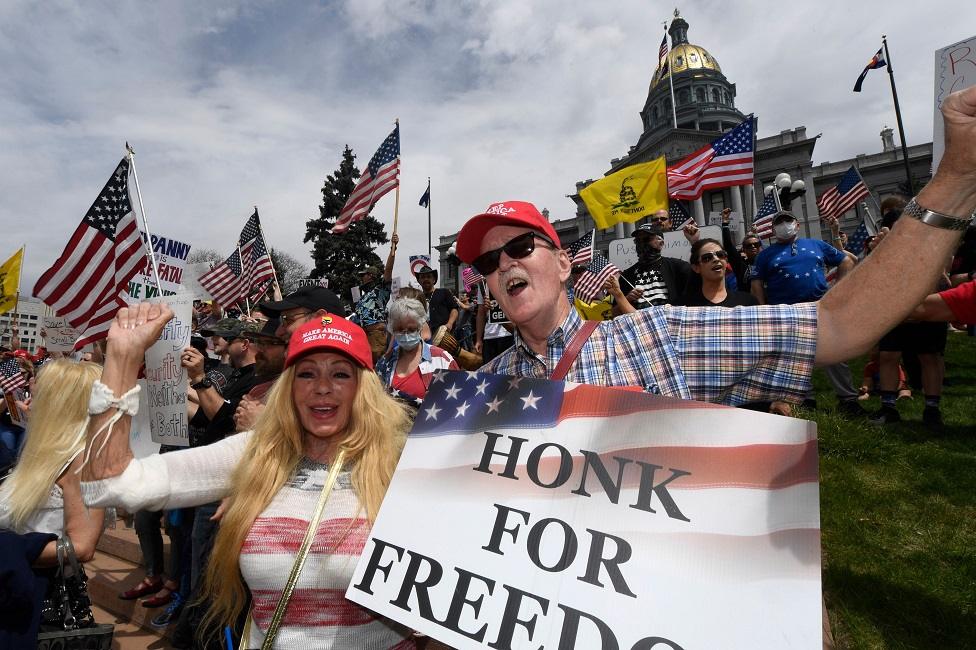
(330, 334)
(505, 213)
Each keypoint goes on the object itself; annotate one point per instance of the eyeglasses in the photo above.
(751, 245)
(708, 257)
(292, 318)
(518, 248)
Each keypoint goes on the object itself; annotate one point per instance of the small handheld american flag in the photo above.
(11, 377)
(581, 250)
(590, 282)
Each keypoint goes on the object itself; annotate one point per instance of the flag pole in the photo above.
(131, 154)
(274, 273)
(674, 108)
(901, 127)
(396, 206)
(430, 236)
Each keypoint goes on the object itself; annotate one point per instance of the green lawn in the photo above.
(898, 513)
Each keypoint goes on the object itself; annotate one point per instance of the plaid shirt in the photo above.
(726, 356)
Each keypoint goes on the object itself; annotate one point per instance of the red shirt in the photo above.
(962, 301)
(413, 384)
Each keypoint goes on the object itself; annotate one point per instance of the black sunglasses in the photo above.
(517, 248)
(752, 244)
(708, 257)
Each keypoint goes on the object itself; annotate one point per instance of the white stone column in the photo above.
(699, 211)
(618, 230)
(629, 229)
(740, 232)
(813, 212)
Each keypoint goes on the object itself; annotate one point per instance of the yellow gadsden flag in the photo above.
(630, 194)
(10, 281)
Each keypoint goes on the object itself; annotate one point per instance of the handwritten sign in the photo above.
(623, 252)
(313, 282)
(529, 514)
(715, 219)
(59, 336)
(170, 257)
(166, 380)
(955, 69)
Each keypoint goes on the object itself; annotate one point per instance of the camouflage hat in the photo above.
(231, 328)
(374, 270)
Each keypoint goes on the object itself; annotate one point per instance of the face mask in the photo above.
(785, 231)
(407, 340)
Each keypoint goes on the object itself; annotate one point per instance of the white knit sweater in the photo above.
(318, 615)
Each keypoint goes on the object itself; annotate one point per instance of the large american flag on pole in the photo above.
(89, 282)
(726, 162)
(837, 200)
(381, 175)
(245, 268)
(590, 282)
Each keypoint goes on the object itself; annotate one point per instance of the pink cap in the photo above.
(506, 213)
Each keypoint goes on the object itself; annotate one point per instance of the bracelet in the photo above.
(936, 219)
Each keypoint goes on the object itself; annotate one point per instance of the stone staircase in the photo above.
(116, 567)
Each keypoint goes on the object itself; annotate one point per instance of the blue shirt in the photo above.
(796, 272)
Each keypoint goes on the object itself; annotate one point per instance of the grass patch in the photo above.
(898, 517)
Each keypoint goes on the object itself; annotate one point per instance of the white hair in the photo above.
(406, 308)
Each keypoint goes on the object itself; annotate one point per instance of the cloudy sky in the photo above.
(236, 104)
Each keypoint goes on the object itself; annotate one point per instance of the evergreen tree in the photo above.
(339, 257)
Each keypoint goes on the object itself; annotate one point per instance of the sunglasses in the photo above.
(518, 248)
(752, 245)
(708, 257)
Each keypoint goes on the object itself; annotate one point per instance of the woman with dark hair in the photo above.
(709, 261)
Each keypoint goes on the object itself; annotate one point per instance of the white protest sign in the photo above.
(59, 336)
(191, 280)
(166, 380)
(395, 285)
(313, 282)
(623, 252)
(170, 257)
(356, 292)
(140, 434)
(529, 514)
(715, 219)
(955, 69)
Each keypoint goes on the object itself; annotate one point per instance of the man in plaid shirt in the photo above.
(727, 356)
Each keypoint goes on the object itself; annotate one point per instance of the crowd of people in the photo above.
(298, 410)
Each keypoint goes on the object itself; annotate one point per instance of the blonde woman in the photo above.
(43, 493)
(328, 400)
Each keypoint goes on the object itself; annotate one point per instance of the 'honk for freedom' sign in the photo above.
(526, 513)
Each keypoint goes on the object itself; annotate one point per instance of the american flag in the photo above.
(839, 199)
(88, 284)
(859, 239)
(247, 267)
(581, 250)
(679, 216)
(382, 175)
(11, 377)
(763, 221)
(663, 50)
(724, 163)
(418, 262)
(470, 277)
(590, 282)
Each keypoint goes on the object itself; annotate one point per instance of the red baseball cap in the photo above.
(505, 213)
(330, 333)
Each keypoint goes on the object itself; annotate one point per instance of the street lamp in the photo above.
(784, 191)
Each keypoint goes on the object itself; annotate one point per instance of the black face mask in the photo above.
(647, 253)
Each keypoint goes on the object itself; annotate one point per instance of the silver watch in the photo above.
(937, 219)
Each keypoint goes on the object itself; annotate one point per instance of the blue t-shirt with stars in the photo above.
(796, 272)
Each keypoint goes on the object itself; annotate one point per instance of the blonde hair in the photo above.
(373, 441)
(59, 412)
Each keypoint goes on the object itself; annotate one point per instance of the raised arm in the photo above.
(388, 270)
(868, 302)
(133, 331)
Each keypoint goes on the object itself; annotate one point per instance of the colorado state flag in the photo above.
(877, 61)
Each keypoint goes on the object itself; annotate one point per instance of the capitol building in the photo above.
(705, 107)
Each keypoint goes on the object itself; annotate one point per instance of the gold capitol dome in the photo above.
(683, 55)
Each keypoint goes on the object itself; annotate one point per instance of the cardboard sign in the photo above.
(495, 314)
(715, 219)
(955, 69)
(166, 379)
(531, 514)
(623, 252)
(356, 294)
(59, 336)
(170, 257)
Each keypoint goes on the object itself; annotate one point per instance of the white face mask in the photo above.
(785, 230)
(408, 340)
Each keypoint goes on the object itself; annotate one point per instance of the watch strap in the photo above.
(936, 219)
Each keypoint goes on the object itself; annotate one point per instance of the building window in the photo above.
(700, 95)
(728, 98)
(32, 317)
(654, 113)
(667, 104)
(683, 97)
(716, 95)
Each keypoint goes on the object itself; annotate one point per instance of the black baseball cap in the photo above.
(783, 215)
(312, 298)
(650, 229)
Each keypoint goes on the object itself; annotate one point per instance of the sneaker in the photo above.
(932, 416)
(171, 613)
(850, 408)
(886, 415)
